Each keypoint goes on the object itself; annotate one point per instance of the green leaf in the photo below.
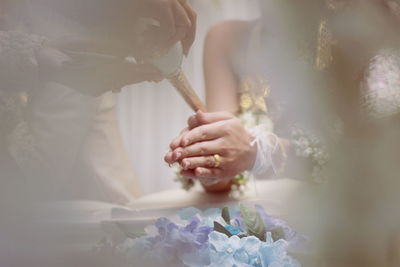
(277, 233)
(225, 215)
(220, 228)
(254, 222)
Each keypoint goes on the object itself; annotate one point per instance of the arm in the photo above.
(230, 139)
(220, 79)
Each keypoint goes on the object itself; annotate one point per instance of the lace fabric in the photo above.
(15, 131)
(18, 55)
(18, 70)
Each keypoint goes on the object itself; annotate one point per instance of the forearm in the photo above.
(221, 82)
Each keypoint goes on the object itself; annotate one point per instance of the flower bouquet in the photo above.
(232, 236)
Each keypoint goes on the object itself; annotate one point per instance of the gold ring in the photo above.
(217, 160)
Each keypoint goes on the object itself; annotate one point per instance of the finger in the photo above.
(177, 141)
(202, 133)
(201, 118)
(193, 122)
(208, 173)
(188, 41)
(168, 158)
(188, 174)
(164, 37)
(199, 149)
(182, 24)
(195, 162)
(181, 17)
(164, 13)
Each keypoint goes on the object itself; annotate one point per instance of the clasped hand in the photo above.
(210, 134)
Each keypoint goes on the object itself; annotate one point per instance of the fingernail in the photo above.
(185, 165)
(177, 155)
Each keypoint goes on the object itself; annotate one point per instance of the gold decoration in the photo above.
(217, 160)
(252, 95)
(334, 4)
(246, 101)
(323, 58)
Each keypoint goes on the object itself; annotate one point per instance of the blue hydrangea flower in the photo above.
(195, 244)
(234, 230)
(175, 245)
(275, 254)
(296, 242)
(248, 251)
(207, 217)
(233, 251)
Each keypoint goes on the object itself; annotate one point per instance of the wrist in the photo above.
(223, 186)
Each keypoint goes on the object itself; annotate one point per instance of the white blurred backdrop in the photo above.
(151, 115)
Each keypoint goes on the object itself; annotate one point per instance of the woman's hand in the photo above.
(211, 134)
